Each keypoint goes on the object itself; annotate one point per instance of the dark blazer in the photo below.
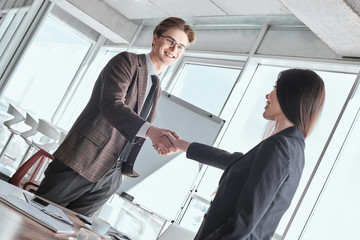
(110, 118)
(255, 189)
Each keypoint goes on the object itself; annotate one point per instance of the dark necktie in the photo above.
(149, 101)
(127, 165)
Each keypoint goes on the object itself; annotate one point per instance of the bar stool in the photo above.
(49, 136)
(45, 140)
(27, 135)
(63, 134)
(24, 177)
(10, 124)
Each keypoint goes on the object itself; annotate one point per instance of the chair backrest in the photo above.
(48, 130)
(33, 123)
(51, 134)
(17, 116)
(176, 232)
(23, 169)
(63, 134)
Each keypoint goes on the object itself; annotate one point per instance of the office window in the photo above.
(337, 204)
(80, 97)
(205, 86)
(47, 68)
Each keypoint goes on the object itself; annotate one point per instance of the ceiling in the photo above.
(144, 9)
(335, 22)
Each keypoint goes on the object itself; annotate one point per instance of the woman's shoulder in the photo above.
(285, 138)
(282, 147)
(276, 141)
(275, 146)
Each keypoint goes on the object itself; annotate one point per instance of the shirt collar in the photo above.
(150, 66)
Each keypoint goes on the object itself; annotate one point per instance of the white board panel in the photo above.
(159, 175)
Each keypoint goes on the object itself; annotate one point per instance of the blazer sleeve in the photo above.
(269, 171)
(117, 77)
(211, 156)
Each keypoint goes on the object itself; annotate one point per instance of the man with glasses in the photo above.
(104, 141)
(172, 43)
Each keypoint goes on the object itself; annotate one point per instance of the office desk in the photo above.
(14, 225)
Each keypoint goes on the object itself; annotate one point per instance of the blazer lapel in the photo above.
(142, 82)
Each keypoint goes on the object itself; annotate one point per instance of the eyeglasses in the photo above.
(173, 43)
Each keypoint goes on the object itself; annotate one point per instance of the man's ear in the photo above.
(155, 39)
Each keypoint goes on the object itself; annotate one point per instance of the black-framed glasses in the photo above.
(180, 47)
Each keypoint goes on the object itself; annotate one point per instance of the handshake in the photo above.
(166, 142)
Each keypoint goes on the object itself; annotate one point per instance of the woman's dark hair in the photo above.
(301, 95)
(178, 23)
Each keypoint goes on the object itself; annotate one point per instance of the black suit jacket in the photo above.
(255, 189)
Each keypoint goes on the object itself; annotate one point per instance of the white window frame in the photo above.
(200, 61)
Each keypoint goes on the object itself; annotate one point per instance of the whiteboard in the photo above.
(190, 123)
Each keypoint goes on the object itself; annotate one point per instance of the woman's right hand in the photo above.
(178, 143)
(172, 139)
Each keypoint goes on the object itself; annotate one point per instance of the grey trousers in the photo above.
(65, 187)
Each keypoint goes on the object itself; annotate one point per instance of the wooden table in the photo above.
(14, 225)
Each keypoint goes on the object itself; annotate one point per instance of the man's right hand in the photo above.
(160, 140)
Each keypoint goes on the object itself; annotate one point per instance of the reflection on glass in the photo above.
(194, 215)
(132, 220)
(209, 183)
(46, 70)
(206, 87)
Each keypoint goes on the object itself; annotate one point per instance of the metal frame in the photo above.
(21, 38)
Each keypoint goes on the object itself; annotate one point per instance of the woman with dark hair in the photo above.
(256, 188)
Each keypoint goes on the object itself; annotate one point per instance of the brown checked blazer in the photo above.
(110, 118)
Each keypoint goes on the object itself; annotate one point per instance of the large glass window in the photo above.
(46, 70)
(205, 86)
(81, 95)
(336, 205)
(41, 78)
